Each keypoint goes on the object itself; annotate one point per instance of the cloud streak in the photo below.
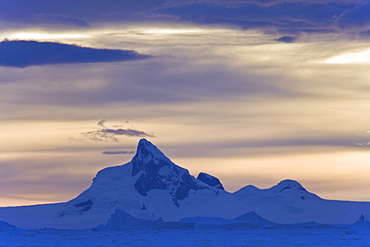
(117, 152)
(22, 53)
(363, 144)
(105, 134)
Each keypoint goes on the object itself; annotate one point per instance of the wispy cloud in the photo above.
(117, 152)
(283, 16)
(365, 143)
(105, 134)
(22, 53)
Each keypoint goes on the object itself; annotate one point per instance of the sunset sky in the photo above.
(250, 91)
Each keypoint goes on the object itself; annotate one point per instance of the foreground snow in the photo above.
(191, 237)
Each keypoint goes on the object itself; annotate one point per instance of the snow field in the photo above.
(194, 237)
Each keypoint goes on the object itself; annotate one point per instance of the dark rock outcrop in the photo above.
(210, 180)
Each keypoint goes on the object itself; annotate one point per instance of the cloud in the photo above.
(102, 122)
(160, 80)
(265, 3)
(365, 143)
(117, 152)
(73, 13)
(125, 132)
(284, 16)
(356, 18)
(58, 19)
(105, 134)
(22, 53)
(286, 39)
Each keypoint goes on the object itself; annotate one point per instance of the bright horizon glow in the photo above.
(351, 57)
(261, 172)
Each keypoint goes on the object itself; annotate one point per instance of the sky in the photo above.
(252, 92)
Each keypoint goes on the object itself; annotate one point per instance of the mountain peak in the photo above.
(145, 148)
(145, 142)
(156, 171)
(289, 184)
(148, 157)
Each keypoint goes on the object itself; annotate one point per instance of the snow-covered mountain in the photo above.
(151, 187)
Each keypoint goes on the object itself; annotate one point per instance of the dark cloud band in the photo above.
(21, 53)
(284, 16)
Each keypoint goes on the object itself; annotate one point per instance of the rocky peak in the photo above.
(210, 180)
(156, 171)
(148, 158)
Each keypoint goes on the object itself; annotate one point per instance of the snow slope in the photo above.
(152, 187)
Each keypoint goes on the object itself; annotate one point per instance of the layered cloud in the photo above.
(22, 53)
(105, 134)
(287, 17)
(283, 16)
